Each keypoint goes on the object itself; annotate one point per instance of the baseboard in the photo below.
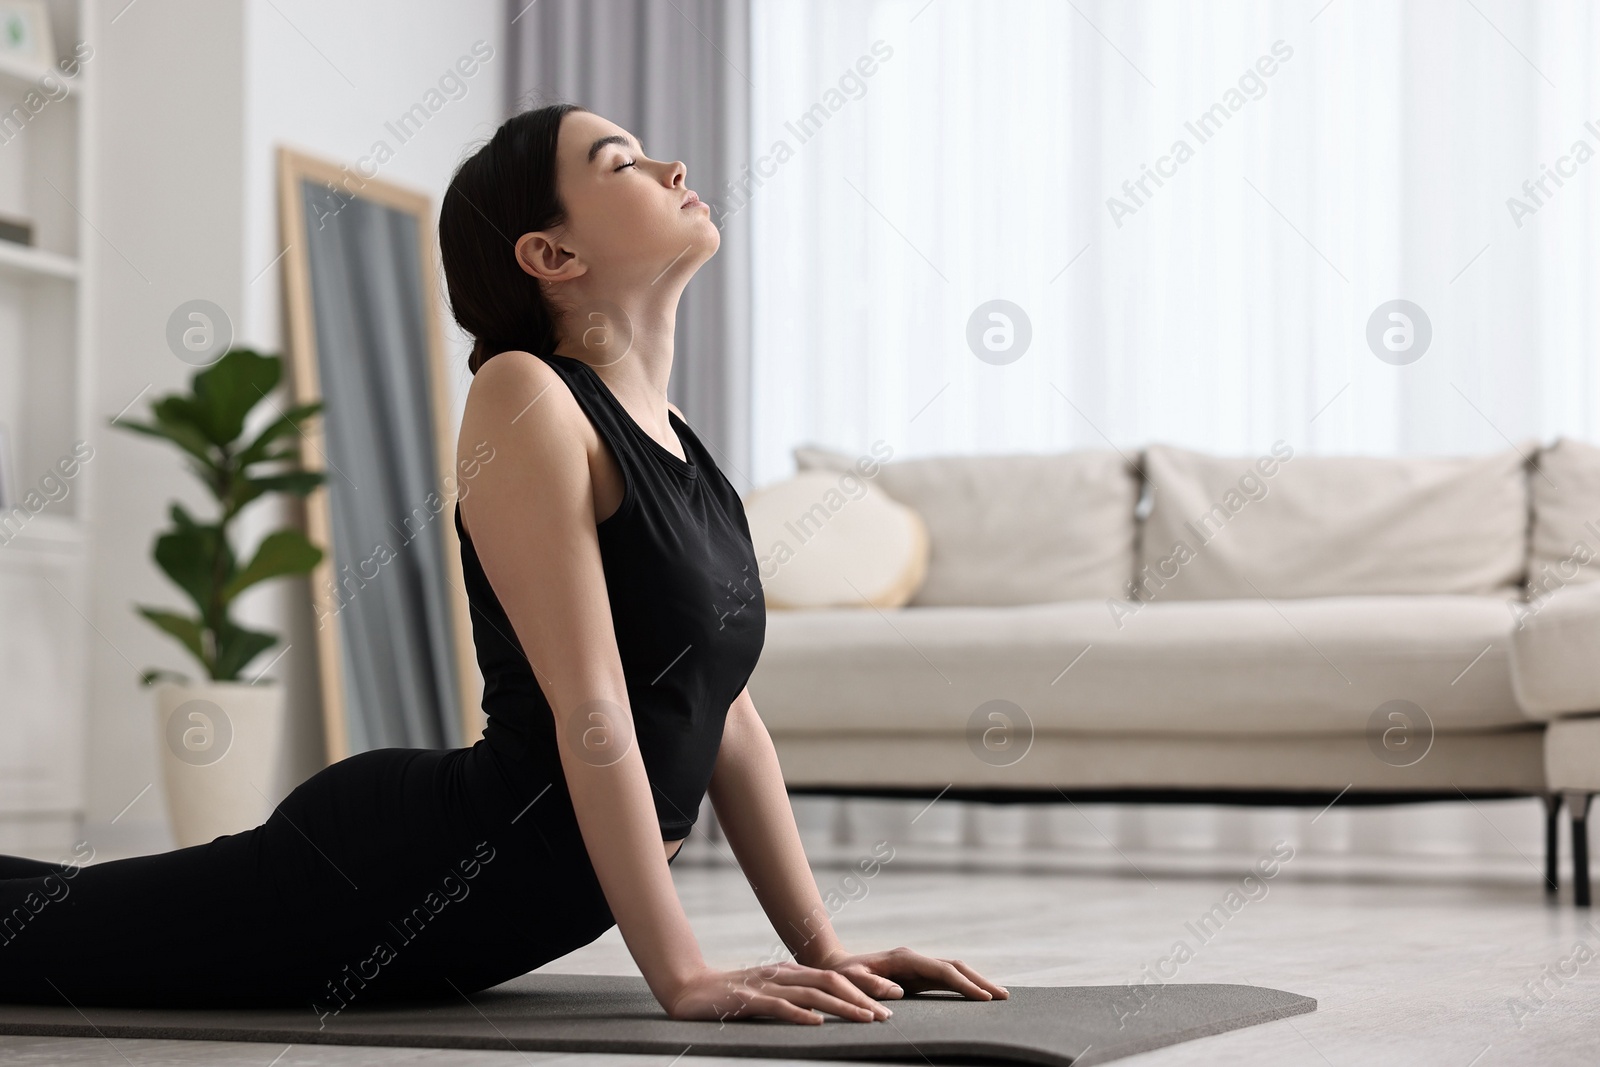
(703, 852)
(1344, 867)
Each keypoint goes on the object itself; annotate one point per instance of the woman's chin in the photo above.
(713, 237)
(705, 239)
(688, 251)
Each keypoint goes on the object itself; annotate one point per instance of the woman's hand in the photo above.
(788, 991)
(892, 974)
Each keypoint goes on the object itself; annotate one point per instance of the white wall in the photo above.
(198, 97)
(372, 62)
(166, 198)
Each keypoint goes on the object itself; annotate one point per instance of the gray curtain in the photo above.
(676, 74)
(388, 546)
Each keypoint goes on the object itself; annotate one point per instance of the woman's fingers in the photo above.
(946, 974)
(832, 984)
(954, 978)
(994, 988)
(811, 997)
(828, 991)
(778, 1007)
(797, 993)
(873, 983)
(802, 1003)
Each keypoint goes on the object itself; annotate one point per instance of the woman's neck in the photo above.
(629, 343)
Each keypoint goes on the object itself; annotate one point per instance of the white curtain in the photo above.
(1357, 152)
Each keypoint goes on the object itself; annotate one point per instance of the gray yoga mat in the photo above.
(1055, 1026)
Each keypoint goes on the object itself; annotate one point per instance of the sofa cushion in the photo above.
(1566, 517)
(1013, 529)
(1293, 667)
(830, 539)
(1290, 525)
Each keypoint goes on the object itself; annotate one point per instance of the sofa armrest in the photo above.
(1555, 652)
(1572, 755)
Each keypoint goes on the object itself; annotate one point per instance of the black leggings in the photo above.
(395, 874)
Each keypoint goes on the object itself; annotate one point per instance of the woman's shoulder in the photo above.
(508, 367)
(518, 404)
(514, 385)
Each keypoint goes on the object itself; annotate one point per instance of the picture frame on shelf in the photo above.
(27, 47)
(16, 229)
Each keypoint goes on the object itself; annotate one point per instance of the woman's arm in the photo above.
(533, 525)
(752, 806)
(532, 522)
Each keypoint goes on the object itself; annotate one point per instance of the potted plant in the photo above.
(221, 736)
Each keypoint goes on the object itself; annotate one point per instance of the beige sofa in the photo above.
(1169, 625)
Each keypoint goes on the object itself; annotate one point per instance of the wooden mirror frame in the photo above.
(294, 168)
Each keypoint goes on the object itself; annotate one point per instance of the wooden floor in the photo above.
(1407, 971)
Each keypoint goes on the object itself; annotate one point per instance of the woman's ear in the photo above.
(541, 256)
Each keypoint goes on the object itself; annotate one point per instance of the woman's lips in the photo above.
(690, 201)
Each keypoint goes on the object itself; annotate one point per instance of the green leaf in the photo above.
(209, 476)
(289, 423)
(179, 410)
(236, 647)
(225, 392)
(289, 454)
(182, 627)
(206, 424)
(181, 517)
(154, 674)
(188, 555)
(184, 434)
(140, 427)
(281, 553)
(297, 483)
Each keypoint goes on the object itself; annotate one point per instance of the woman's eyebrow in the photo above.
(615, 138)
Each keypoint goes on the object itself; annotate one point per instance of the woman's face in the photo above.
(629, 217)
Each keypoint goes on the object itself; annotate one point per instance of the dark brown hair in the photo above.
(503, 190)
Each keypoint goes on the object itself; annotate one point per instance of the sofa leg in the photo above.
(1552, 843)
(1578, 806)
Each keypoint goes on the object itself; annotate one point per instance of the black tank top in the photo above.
(686, 606)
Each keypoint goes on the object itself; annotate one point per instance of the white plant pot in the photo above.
(220, 744)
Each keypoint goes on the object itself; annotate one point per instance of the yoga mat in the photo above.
(1053, 1026)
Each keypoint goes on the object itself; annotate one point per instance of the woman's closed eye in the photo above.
(629, 163)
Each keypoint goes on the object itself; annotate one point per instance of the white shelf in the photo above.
(46, 393)
(16, 83)
(43, 532)
(24, 262)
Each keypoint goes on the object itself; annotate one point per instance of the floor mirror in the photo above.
(362, 307)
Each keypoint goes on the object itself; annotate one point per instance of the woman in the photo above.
(616, 617)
